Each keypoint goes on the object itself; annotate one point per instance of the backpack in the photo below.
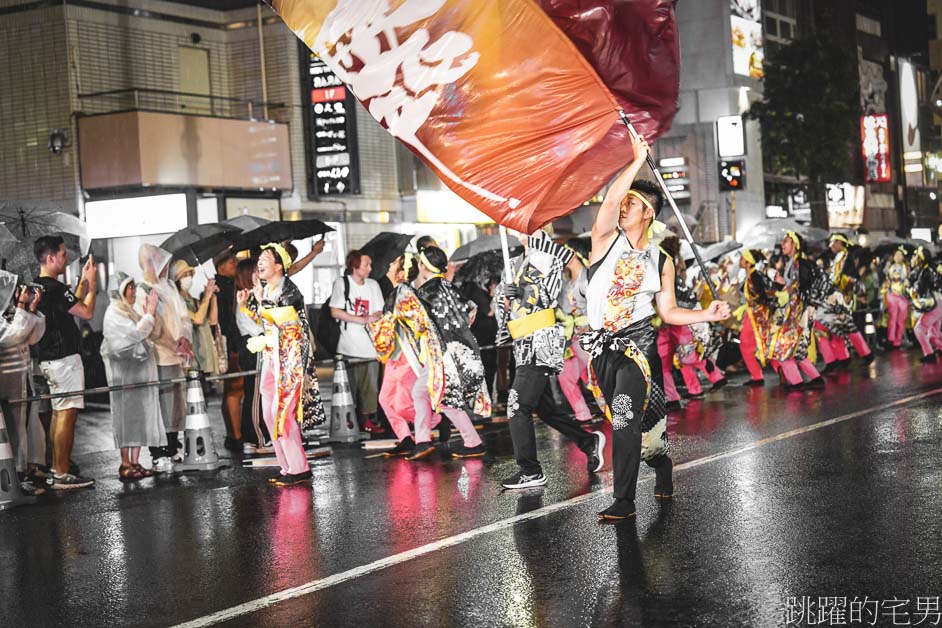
(328, 328)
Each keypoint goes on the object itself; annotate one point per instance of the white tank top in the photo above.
(621, 291)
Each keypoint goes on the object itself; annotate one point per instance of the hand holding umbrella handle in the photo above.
(670, 200)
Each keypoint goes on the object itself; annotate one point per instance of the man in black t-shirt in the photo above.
(58, 351)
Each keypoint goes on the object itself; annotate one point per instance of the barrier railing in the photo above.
(180, 380)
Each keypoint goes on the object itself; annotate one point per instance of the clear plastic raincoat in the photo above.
(128, 353)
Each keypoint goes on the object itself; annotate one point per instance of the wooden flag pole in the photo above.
(670, 201)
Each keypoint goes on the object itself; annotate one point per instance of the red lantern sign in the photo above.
(875, 144)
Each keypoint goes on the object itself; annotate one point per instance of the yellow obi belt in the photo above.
(280, 315)
(523, 327)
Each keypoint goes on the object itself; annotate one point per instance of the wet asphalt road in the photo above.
(849, 509)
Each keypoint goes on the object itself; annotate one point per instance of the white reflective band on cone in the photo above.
(6, 452)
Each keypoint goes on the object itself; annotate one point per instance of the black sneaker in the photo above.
(67, 481)
(868, 359)
(421, 451)
(817, 382)
(469, 452)
(522, 480)
(233, 444)
(595, 457)
(928, 359)
(719, 384)
(403, 448)
(755, 382)
(620, 509)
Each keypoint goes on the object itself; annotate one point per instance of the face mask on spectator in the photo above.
(186, 283)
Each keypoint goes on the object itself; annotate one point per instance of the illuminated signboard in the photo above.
(730, 136)
(746, 28)
(330, 130)
(875, 144)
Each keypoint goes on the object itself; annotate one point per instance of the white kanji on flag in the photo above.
(359, 40)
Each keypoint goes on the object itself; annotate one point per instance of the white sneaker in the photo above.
(178, 457)
(249, 449)
(162, 465)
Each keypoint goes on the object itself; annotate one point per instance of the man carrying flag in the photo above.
(629, 281)
(525, 310)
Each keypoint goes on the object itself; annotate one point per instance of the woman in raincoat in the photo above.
(128, 353)
(173, 337)
(203, 314)
(274, 317)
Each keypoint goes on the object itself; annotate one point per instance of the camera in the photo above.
(31, 288)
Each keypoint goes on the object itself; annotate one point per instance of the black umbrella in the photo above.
(481, 270)
(200, 243)
(246, 222)
(482, 245)
(283, 231)
(383, 250)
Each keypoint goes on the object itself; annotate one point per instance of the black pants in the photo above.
(624, 389)
(536, 388)
(173, 446)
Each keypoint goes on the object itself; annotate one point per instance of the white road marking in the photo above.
(402, 557)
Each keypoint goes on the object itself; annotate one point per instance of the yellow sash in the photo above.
(523, 327)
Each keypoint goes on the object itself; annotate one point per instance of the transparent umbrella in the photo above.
(27, 223)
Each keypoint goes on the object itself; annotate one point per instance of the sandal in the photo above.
(129, 473)
(147, 473)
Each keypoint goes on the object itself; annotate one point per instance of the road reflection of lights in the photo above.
(114, 558)
(463, 482)
(516, 592)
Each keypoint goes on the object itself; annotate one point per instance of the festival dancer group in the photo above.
(618, 316)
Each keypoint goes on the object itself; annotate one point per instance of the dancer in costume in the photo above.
(759, 295)
(399, 337)
(834, 318)
(526, 314)
(791, 344)
(433, 363)
(629, 281)
(690, 353)
(464, 391)
(925, 292)
(274, 316)
(895, 289)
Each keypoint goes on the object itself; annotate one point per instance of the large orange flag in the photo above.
(491, 95)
